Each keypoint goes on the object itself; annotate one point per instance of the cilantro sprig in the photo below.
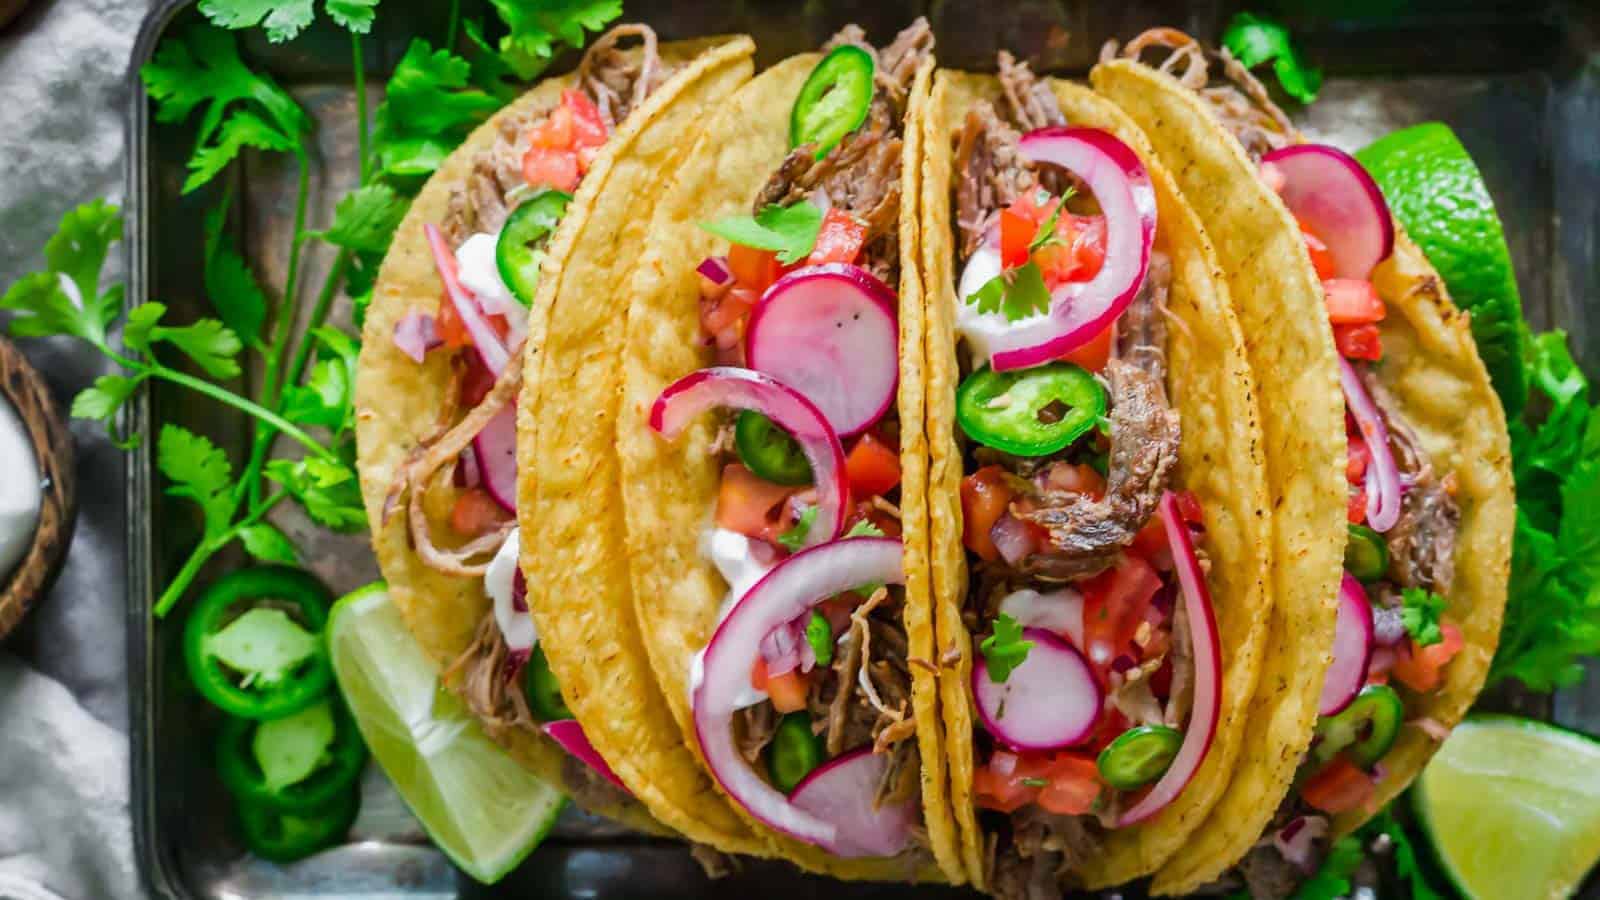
(1255, 40)
(791, 231)
(1004, 649)
(1420, 615)
(1020, 293)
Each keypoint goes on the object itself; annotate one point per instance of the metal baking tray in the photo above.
(1515, 78)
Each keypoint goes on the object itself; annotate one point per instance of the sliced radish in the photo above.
(1352, 649)
(842, 790)
(485, 341)
(790, 590)
(1336, 200)
(569, 734)
(1202, 727)
(1079, 311)
(1049, 701)
(1060, 612)
(736, 388)
(1383, 476)
(496, 449)
(829, 332)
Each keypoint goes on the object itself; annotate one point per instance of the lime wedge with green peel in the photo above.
(1512, 808)
(479, 806)
(1435, 191)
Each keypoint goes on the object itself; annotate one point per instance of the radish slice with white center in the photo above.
(1383, 475)
(1051, 700)
(1081, 310)
(496, 449)
(569, 734)
(1060, 612)
(790, 590)
(842, 790)
(1336, 200)
(829, 332)
(488, 344)
(1352, 649)
(735, 388)
(1202, 727)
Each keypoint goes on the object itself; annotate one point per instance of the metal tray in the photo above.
(1515, 78)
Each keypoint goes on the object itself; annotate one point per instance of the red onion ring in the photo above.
(569, 734)
(1383, 476)
(488, 344)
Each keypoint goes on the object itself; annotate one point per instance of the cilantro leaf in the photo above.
(66, 297)
(1045, 235)
(230, 284)
(327, 489)
(538, 29)
(199, 471)
(355, 16)
(1254, 40)
(242, 129)
(864, 528)
(282, 19)
(328, 395)
(1004, 649)
(791, 231)
(1015, 293)
(101, 400)
(211, 344)
(1420, 615)
(268, 544)
(429, 108)
(201, 65)
(490, 71)
(366, 219)
(1332, 880)
(795, 538)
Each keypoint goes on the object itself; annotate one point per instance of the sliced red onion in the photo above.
(490, 348)
(467, 474)
(1013, 538)
(415, 334)
(733, 388)
(1081, 310)
(715, 269)
(1296, 840)
(1383, 476)
(789, 591)
(569, 734)
(1202, 727)
(781, 649)
(1060, 612)
(829, 332)
(1051, 700)
(842, 791)
(496, 449)
(1334, 197)
(1352, 649)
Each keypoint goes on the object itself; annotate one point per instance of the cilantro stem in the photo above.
(265, 417)
(202, 553)
(272, 387)
(360, 74)
(455, 22)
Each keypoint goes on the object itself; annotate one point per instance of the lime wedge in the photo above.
(1512, 808)
(483, 809)
(1436, 192)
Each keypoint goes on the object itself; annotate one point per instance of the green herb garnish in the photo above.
(795, 538)
(1254, 40)
(1005, 648)
(790, 231)
(1421, 614)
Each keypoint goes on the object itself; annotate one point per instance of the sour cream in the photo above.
(736, 557)
(980, 329)
(479, 271)
(21, 492)
(499, 583)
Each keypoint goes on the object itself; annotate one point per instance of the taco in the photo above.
(1306, 241)
(467, 285)
(1101, 533)
(777, 545)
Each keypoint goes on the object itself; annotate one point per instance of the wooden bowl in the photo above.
(52, 447)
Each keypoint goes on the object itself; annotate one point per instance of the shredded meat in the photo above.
(753, 729)
(990, 173)
(1044, 850)
(1267, 875)
(713, 862)
(1028, 97)
(1422, 544)
(486, 673)
(1180, 696)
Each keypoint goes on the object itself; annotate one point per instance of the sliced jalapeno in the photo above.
(769, 451)
(283, 837)
(331, 762)
(254, 645)
(794, 752)
(544, 692)
(520, 249)
(834, 100)
(1030, 412)
(1364, 731)
(1139, 756)
(1366, 554)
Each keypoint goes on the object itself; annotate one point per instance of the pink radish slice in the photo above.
(841, 791)
(791, 589)
(415, 334)
(1336, 200)
(1383, 475)
(1081, 310)
(1352, 649)
(1202, 727)
(569, 734)
(496, 449)
(488, 344)
(829, 332)
(1059, 612)
(1049, 701)
(736, 388)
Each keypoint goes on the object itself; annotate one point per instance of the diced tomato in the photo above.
(1358, 341)
(1093, 355)
(1356, 508)
(1079, 479)
(475, 513)
(723, 318)
(1005, 793)
(1422, 668)
(787, 691)
(555, 132)
(1352, 301)
(1063, 783)
(755, 269)
(588, 129)
(1321, 259)
(1088, 242)
(865, 511)
(1115, 603)
(985, 495)
(451, 329)
(476, 382)
(1190, 509)
(873, 467)
(1339, 787)
(751, 505)
(544, 167)
(1151, 543)
(1357, 457)
(1074, 785)
(1034, 205)
(838, 240)
(1016, 233)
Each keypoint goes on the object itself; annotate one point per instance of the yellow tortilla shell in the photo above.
(399, 402)
(1431, 366)
(670, 488)
(1220, 460)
